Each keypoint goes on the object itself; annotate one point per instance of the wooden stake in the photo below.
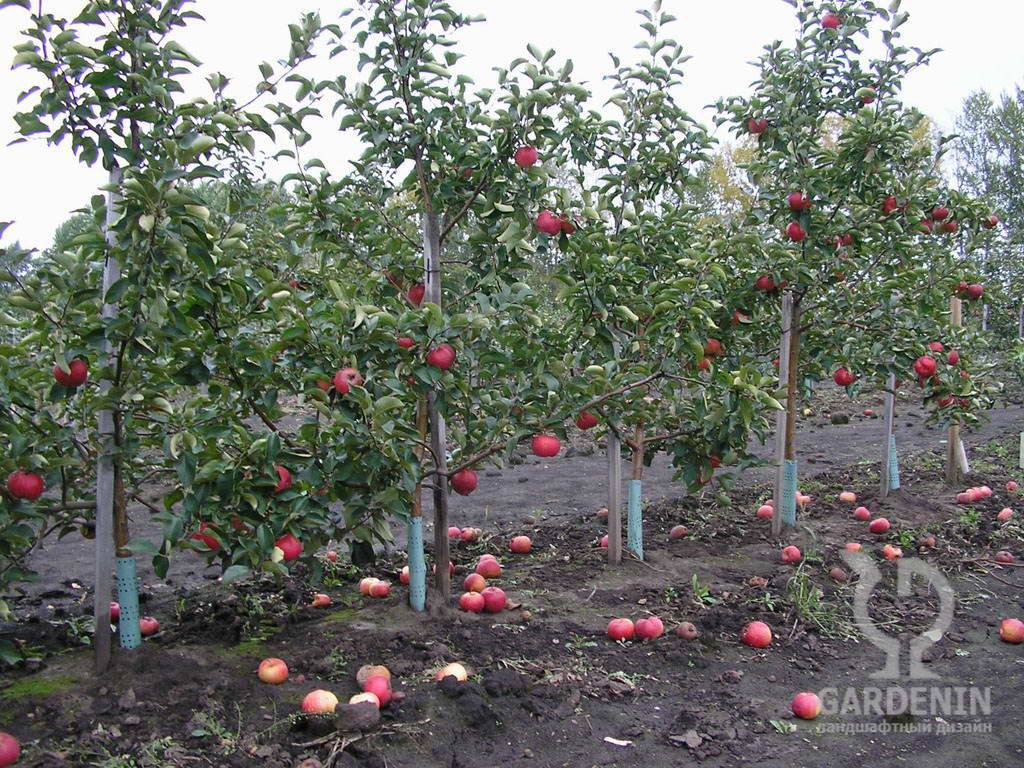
(984, 317)
(781, 416)
(890, 414)
(438, 439)
(105, 462)
(953, 466)
(614, 500)
(1020, 322)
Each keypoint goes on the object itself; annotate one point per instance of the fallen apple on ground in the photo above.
(879, 525)
(756, 634)
(1011, 486)
(520, 545)
(488, 567)
(765, 512)
(366, 697)
(10, 750)
(367, 671)
(379, 686)
(687, 631)
(891, 552)
(852, 546)
(838, 575)
(1012, 631)
(604, 541)
(380, 589)
(862, 514)
(677, 532)
(455, 670)
(474, 583)
(148, 626)
(621, 629)
(404, 577)
(806, 705)
(115, 611)
(319, 702)
(848, 496)
(494, 599)
(1004, 558)
(473, 602)
(649, 628)
(791, 554)
(1004, 514)
(272, 671)
(320, 600)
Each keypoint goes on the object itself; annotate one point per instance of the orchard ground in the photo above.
(548, 687)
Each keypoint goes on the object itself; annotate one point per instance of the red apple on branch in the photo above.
(75, 376)
(464, 482)
(441, 356)
(586, 420)
(545, 446)
(548, 223)
(757, 125)
(795, 232)
(25, 485)
(416, 293)
(831, 21)
(526, 156)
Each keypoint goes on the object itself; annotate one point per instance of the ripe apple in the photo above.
(115, 611)
(489, 568)
(713, 348)
(520, 545)
(148, 626)
(319, 702)
(367, 671)
(586, 420)
(379, 687)
(76, 375)
(548, 223)
(404, 577)
(862, 513)
(890, 552)
(925, 226)
(441, 356)
(757, 125)
(1004, 514)
(545, 446)
(290, 546)
(890, 204)
(1004, 558)
(470, 535)
(474, 583)
(25, 485)
(926, 541)
(454, 532)
(455, 670)
(756, 634)
(848, 497)
(925, 366)
(806, 705)
(1011, 486)
(880, 525)
(272, 671)
(953, 357)
(1012, 631)
(284, 479)
(765, 283)
(347, 378)
(406, 342)
(935, 346)
(950, 227)
(795, 232)
(798, 201)
(991, 222)
(649, 628)
(838, 575)
(975, 291)
(10, 750)
(526, 156)
(366, 697)
(758, 582)
(939, 212)
(202, 536)
(677, 532)
(852, 546)
(365, 584)
(416, 293)
(791, 554)
(494, 599)
(604, 541)
(464, 482)
(320, 600)
(765, 512)
(830, 21)
(380, 589)
(567, 225)
(843, 377)
(687, 631)
(621, 629)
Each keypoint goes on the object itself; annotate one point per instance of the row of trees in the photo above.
(273, 366)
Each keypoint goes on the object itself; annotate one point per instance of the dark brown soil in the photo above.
(547, 687)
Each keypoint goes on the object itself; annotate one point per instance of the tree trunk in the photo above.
(890, 473)
(953, 466)
(438, 441)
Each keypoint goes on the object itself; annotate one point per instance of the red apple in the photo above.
(1011, 486)
(365, 584)
(1004, 515)
(713, 348)
(953, 357)
(454, 532)
(843, 377)
(416, 293)
(347, 378)
(76, 375)
(10, 750)
(806, 705)
(852, 546)
(926, 541)
(791, 554)
(765, 283)
(1004, 558)
(404, 576)
(272, 671)
(830, 21)
(586, 420)
(991, 222)
(935, 346)
(520, 545)
(848, 497)
(890, 204)
(890, 552)
(1012, 631)
(115, 611)
(548, 223)
(838, 574)
(380, 589)
(441, 356)
(924, 366)
(290, 546)
(405, 342)
(950, 227)
(798, 201)
(474, 583)
(211, 543)
(488, 568)
(862, 513)
(757, 125)
(567, 225)
(469, 535)
(332, 556)
(939, 212)
(464, 482)
(545, 446)
(319, 702)
(25, 485)
(649, 628)
(975, 291)
(677, 532)
(795, 232)
(148, 626)
(494, 599)
(687, 631)
(621, 629)
(320, 600)
(472, 601)
(881, 525)
(604, 541)
(380, 687)
(756, 634)
(526, 156)
(284, 479)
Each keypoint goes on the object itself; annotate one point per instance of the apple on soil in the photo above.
(380, 687)
(320, 600)
(1004, 515)
(862, 513)
(756, 634)
(806, 705)
(879, 526)
(403, 576)
(765, 512)
(115, 611)
(148, 626)
(489, 568)
(474, 582)
(677, 532)
(380, 589)
(891, 552)
(791, 554)
(853, 546)
(520, 545)
(1012, 631)
(455, 670)
(10, 749)
(621, 629)
(494, 599)
(272, 671)
(366, 697)
(649, 628)
(848, 497)
(319, 702)
(687, 631)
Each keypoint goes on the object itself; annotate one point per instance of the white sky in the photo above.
(980, 42)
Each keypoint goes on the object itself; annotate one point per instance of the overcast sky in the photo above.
(980, 41)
